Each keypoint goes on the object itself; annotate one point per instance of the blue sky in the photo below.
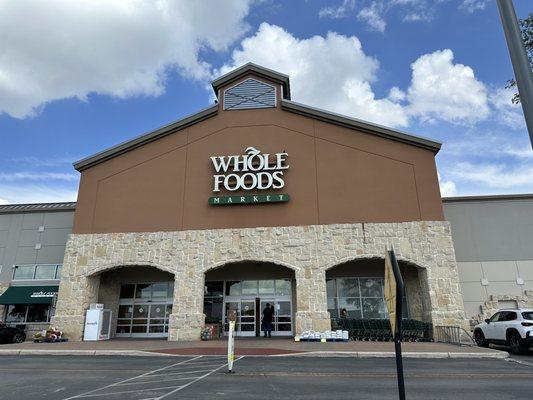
(78, 77)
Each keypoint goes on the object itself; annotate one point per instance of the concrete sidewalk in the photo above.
(250, 347)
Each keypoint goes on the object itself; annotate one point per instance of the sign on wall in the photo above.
(250, 172)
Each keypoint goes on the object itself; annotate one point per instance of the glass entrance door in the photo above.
(249, 316)
(246, 316)
(282, 318)
(144, 310)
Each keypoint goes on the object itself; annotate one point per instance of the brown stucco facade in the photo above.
(337, 175)
(354, 189)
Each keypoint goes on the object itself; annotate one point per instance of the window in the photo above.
(283, 287)
(233, 288)
(527, 315)
(16, 313)
(214, 288)
(45, 271)
(361, 297)
(249, 288)
(146, 292)
(266, 287)
(24, 272)
(37, 313)
(21, 313)
(37, 272)
(495, 317)
(213, 299)
(511, 316)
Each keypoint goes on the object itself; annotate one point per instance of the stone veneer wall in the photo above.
(308, 250)
(413, 291)
(489, 308)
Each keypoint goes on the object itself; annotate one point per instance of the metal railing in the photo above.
(453, 335)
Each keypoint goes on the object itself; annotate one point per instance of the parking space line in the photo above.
(130, 379)
(196, 380)
(179, 373)
(129, 391)
(184, 378)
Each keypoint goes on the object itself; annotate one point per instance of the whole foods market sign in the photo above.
(249, 172)
(42, 294)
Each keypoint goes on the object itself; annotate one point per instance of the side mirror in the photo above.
(487, 321)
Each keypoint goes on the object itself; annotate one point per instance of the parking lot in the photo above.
(136, 378)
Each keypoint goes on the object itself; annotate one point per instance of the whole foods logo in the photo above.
(252, 171)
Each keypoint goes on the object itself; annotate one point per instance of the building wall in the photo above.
(494, 249)
(21, 241)
(336, 175)
(309, 251)
(31, 238)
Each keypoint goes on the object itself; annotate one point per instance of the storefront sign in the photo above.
(252, 171)
(42, 294)
(254, 199)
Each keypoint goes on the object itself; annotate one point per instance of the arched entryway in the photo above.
(140, 298)
(357, 286)
(247, 287)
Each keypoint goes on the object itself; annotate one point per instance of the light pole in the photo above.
(517, 51)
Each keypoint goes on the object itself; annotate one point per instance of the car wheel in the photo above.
(517, 344)
(479, 337)
(19, 338)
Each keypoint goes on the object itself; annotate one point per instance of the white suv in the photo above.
(512, 327)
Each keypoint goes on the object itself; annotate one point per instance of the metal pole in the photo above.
(399, 365)
(517, 51)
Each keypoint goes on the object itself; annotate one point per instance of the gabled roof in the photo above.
(258, 70)
(286, 104)
(362, 126)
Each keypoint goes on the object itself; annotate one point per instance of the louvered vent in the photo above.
(250, 94)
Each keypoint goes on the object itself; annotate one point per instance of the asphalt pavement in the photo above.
(309, 378)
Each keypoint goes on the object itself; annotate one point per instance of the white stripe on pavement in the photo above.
(128, 391)
(196, 380)
(130, 379)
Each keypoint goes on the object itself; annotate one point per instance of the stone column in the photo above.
(413, 292)
(442, 282)
(109, 296)
(311, 301)
(187, 318)
(74, 297)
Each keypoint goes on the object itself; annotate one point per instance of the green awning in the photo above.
(29, 295)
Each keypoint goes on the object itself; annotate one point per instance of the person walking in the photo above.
(343, 320)
(268, 313)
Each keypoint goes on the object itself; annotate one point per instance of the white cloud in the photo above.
(375, 12)
(38, 176)
(508, 113)
(472, 6)
(334, 73)
(446, 91)
(121, 48)
(447, 188)
(372, 15)
(489, 144)
(21, 194)
(495, 176)
(396, 94)
(3, 201)
(331, 72)
(337, 12)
